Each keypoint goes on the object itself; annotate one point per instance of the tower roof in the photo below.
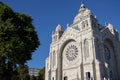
(82, 7)
(83, 11)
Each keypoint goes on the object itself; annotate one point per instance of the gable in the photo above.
(70, 33)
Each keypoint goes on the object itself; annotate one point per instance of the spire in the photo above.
(58, 28)
(82, 7)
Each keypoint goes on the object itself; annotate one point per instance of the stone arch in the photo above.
(109, 42)
(65, 43)
(60, 57)
(109, 48)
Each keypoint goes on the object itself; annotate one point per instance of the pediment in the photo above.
(70, 33)
(107, 34)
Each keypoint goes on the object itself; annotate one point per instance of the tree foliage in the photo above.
(33, 77)
(18, 39)
(41, 74)
(23, 73)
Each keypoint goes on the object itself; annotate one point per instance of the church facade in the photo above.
(84, 51)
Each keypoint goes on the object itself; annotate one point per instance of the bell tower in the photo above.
(85, 19)
(57, 34)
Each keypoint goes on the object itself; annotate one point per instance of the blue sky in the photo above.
(47, 14)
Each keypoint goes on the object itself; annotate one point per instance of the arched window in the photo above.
(86, 49)
(83, 25)
(86, 23)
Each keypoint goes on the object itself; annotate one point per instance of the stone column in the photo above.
(96, 63)
(59, 66)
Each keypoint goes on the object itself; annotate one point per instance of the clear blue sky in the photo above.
(47, 14)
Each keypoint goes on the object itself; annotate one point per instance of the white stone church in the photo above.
(84, 51)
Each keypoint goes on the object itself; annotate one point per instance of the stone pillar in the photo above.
(96, 63)
(59, 66)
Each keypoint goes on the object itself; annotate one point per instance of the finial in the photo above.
(67, 25)
(82, 2)
(58, 28)
(106, 23)
(95, 16)
(82, 7)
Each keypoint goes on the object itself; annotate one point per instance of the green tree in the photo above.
(18, 39)
(33, 77)
(23, 72)
(41, 74)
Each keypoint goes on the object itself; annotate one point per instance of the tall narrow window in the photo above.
(83, 25)
(86, 49)
(86, 23)
(54, 60)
